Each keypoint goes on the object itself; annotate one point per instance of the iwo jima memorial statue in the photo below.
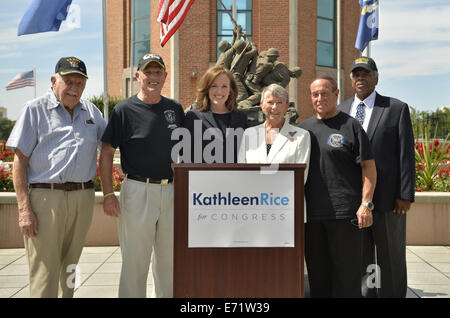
(253, 71)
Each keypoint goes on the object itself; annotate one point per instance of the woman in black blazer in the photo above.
(215, 124)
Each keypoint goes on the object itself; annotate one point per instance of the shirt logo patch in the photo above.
(170, 116)
(171, 119)
(335, 140)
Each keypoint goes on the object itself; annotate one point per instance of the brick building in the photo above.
(304, 31)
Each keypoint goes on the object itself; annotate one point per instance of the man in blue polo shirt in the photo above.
(55, 141)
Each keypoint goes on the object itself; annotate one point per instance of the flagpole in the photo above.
(234, 11)
(35, 83)
(105, 66)
(367, 50)
(338, 50)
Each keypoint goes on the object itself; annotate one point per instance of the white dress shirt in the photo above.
(369, 102)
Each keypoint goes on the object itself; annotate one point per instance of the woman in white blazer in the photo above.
(275, 141)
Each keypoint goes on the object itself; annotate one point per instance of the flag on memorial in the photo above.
(171, 15)
(368, 23)
(43, 16)
(21, 80)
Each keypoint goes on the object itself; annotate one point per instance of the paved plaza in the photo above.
(428, 272)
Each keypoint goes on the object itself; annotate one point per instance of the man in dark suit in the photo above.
(388, 125)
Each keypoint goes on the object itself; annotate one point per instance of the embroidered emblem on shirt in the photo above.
(335, 140)
(89, 121)
(170, 116)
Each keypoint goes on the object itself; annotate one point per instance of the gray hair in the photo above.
(276, 91)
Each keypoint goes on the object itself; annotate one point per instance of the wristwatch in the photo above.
(368, 205)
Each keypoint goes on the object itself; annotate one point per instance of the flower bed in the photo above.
(432, 165)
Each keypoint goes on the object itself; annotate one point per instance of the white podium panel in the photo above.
(241, 209)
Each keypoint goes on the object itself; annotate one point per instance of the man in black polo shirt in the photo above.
(141, 126)
(339, 191)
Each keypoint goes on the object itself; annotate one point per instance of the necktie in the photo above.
(360, 113)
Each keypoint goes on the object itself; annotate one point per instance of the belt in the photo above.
(149, 180)
(68, 186)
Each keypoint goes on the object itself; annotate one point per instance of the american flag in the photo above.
(21, 80)
(171, 14)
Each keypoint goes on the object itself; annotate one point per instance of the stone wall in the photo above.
(428, 222)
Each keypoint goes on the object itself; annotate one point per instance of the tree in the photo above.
(6, 126)
(434, 124)
(98, 101)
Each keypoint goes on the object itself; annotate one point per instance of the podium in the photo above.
(236, 272)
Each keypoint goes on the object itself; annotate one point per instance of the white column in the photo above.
(293, 48)
(105, 66)
(175, 67)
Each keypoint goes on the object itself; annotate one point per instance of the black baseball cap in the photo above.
(364, 62)
(150, 57)
(70, 65)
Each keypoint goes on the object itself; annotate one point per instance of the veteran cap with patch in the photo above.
(364, 62)
(70, 65)
(150, 57)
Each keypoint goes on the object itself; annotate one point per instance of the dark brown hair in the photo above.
(205, 84)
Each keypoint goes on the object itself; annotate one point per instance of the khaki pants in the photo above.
(145, 228)
(64, 219)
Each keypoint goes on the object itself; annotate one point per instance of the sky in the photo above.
(412, 51)
(43, 50)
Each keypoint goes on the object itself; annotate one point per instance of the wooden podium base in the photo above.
(239, 272)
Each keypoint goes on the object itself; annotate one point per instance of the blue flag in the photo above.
(368, 23)
(43, 16)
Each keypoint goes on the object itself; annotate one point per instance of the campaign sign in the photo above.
(241, 209)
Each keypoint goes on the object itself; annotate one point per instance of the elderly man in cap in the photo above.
(388, 125)
(141, 126)
(55, 141)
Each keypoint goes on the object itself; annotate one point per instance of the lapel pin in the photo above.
(292, 133)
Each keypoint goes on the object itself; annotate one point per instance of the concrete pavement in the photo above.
(428, 272)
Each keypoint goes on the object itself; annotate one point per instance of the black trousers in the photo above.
(333, 252)
(388, 234)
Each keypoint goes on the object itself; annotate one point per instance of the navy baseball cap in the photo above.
(70, 65)
(364, 62)
(150, 57)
